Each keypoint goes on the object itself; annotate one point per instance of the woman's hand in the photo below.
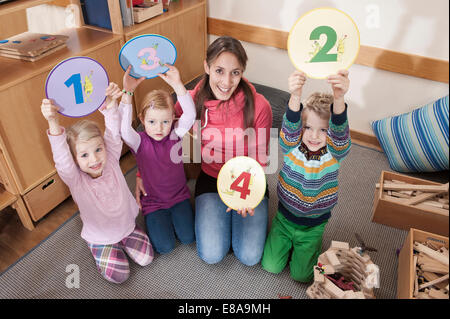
(243, 212)
(173, 78)
(139, 191)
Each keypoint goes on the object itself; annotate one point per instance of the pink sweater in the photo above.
(224, 136)
(107, 208)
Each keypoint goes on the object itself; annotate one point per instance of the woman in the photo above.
(235, 120)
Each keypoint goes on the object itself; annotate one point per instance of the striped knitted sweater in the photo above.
(308, 186)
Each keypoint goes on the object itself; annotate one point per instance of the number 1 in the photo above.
(75, 79)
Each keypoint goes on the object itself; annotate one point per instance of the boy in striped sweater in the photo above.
(315, 139)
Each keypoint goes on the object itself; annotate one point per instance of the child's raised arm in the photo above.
(340, 142)
(187, 119)
(129, 135)
(64, 162)
(291, 125)
(112, 120)
(340, 85)
(50, 113)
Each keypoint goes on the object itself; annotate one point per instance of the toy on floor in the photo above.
(418, 195)
(344, 273)
(432, 269)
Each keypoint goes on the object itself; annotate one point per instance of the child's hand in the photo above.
(129, 83)
(113, 93)
(339, 84)
(173, 78)
(139, 191)
(49, 110)
(295, 83)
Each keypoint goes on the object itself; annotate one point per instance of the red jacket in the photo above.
(224, 136)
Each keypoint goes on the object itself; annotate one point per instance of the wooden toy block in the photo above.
(425, 260)
(420, 198)
(349, 294)
(431, 283)
(333, 289)
(332, 258)
(318, 277)
(359, 295)
(437, 270)
(328, 270)
(431, 253)
(415, 187)
(423, 295)
(430, 276)
(437, 294)
(339, 245)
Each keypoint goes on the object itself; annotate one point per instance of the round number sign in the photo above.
(241, 183)
(323, 41)
(147, 55)
(77, 85)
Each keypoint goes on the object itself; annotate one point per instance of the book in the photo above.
(31, 46)
(126, 8)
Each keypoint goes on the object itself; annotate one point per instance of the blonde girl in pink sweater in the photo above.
(88, 162)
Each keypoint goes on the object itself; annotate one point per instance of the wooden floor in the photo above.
(16, 240)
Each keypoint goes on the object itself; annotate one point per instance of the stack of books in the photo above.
(30, 46)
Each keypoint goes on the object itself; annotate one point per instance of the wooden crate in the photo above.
(143, 14)
(392, 212)
(406, 268)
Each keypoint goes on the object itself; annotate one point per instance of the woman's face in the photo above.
(225, 73)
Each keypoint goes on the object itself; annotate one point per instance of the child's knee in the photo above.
(301, 274)
(271, 266)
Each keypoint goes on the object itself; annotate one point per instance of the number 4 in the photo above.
(245, 178)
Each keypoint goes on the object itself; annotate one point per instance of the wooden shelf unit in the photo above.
(26, 161)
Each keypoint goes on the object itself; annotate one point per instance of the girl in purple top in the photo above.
(165, 206)
(88, 163)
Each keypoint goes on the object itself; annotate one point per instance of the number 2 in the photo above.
(322, 55)
(245, 177)
(75, 79)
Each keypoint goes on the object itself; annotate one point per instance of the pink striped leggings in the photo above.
(111, 260)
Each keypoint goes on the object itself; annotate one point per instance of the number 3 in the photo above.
(322, 55)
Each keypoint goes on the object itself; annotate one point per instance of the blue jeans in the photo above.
(164, 223)
(215, 230)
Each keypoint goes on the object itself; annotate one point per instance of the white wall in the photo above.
(411, 26)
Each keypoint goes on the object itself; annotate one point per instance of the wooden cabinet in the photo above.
(26, 162)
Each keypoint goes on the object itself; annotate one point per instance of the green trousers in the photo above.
(305, 242)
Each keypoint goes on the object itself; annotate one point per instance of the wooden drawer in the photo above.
(46, 196)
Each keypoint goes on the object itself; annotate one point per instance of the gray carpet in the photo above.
(182, 274)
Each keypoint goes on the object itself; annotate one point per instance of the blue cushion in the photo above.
(416, 141)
